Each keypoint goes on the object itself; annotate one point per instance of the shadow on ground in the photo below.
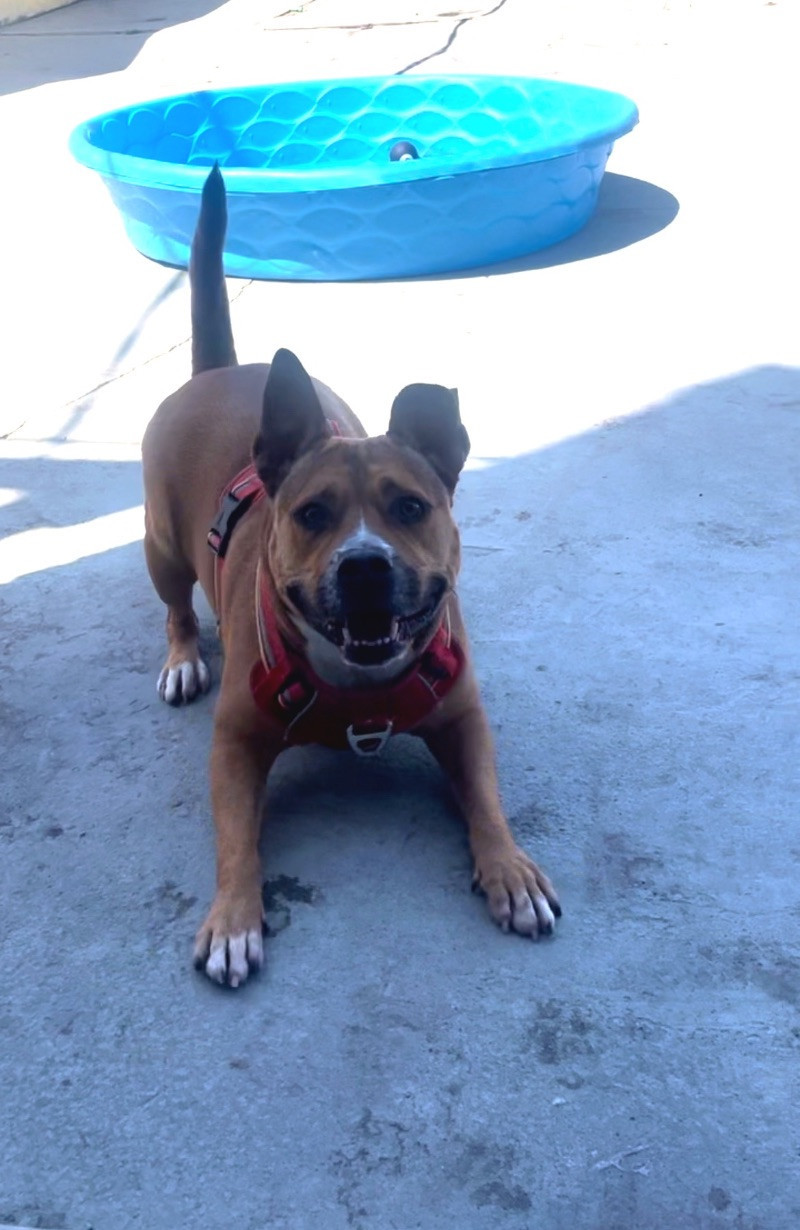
(632, 595)
(628, 211)
(86, 40)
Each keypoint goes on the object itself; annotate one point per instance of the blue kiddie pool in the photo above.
(377, 177)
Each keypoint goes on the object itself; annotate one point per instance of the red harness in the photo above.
(301, 706)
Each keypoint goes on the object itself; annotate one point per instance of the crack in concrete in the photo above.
(86, 397)
(368, 25)
(463, 21)
(298, 8)
(78, 401)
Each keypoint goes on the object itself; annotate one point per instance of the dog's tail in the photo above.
(212, 337)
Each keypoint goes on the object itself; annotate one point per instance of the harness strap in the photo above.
(243, 493)
(245, 490)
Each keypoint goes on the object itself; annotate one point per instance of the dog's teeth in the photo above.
(394, 630)
(364, 643)
(346, 637)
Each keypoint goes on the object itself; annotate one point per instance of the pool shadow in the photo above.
(628, 211)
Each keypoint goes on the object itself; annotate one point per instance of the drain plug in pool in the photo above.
(402, 151)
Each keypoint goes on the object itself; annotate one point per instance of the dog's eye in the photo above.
(409, 510)
(314, 517)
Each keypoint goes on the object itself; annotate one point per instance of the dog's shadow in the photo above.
(313, 789)
(334, 823)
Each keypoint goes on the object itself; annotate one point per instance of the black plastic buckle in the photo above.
(230, 514)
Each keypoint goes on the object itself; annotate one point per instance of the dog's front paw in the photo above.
(230, 945)
(183, 679)
(520, 896)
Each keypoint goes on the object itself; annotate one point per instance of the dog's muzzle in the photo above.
(365, 582)
(371, 606)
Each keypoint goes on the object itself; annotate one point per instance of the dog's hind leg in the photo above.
(184, 674)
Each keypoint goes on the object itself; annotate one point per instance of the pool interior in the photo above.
(347, 124)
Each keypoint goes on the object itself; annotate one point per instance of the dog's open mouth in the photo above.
(371, 638)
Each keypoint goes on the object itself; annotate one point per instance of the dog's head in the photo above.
(362, 547)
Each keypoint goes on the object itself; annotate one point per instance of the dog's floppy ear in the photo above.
(425, 417)
(292, 420)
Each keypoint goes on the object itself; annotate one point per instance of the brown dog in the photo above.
(336, 601)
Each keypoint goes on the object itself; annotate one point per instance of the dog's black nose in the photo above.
(365, 580)
(363, 567)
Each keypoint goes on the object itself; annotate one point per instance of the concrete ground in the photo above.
(630, 523)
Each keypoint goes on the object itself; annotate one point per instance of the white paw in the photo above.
(520, 896)
(229, 960)
(182, 682)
